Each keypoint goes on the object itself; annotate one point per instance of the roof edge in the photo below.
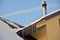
(43, 17)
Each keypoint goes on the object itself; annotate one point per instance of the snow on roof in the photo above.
(41, 18)
(44, 17)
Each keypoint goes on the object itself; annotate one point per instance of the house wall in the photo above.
(40, 34)
(53, 29)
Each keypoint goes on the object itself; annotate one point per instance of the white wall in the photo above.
(7, 33)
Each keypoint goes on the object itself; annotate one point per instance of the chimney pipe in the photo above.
(44, 8)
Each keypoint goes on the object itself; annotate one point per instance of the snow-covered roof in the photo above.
(11, 23)
(54, 12)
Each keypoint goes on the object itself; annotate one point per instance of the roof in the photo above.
(54, 12)
(10, 23)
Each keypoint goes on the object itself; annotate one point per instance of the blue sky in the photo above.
(25, 12)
